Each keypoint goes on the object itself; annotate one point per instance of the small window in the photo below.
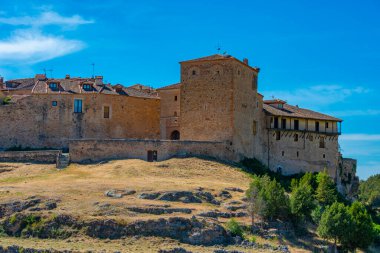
(175, 98)
(283, 153)
(54, 103)
(87, 87)
(194, 72)
(106, 112)
(276, 122)
(77, 105)
(324, 156)
(296, 124)
(322, 142)
(254, 83)
(280, 106)
(175, 114)
(278, 135)
(298, 154)
(53, 86)
(317, 126)
(327, 125)
(283, 123)
(254, 127)
(296, 137)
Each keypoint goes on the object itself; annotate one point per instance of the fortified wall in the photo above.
(49, 120)
(87, 150)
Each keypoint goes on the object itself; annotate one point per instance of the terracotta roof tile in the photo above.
(296, 112)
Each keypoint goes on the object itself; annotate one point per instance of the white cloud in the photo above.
(31, 46)
(46, 18)
(360, 137)
(319, 95)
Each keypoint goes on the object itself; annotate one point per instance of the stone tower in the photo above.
(219, 102)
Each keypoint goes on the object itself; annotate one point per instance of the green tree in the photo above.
(362, 231)
(302, 201)
(369, 191)
(335, 223)
(268, 198)
(326, 193)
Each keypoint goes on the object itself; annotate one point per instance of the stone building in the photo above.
(214, 110)
(53, 111)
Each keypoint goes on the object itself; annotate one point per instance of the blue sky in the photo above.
(322, 55)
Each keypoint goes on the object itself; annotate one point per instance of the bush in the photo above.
(234, 227)
(376, 229)
(302, 201)
(270, 196)
(326, 192)
(255, 167)
(7, 100)
(316, 214)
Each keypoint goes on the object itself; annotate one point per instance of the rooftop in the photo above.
(294, 111)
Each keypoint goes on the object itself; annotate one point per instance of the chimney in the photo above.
(245, 60)
(40, 77)
(67, 77)
(99, 80)
(1, 81)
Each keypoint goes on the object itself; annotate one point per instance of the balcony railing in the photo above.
(305, 131)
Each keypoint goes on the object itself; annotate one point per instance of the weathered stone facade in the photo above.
(35, 122)
(215, 110)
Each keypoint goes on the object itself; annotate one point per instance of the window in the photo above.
(78, 105)
(254, 83)
(283, 123)
(296, 137)
(324, 156)
(53, 86)
(87, 87)
(175, 114)
(298, 154)
(54, 103)
(254, 127)
(322, 142)
(317, 126)
(283, 153)
(296, 124)
(280, 106)
(106, 112)
(276, 122)
(327, 125)
(278, 135)
(175, 98)
(194, 72)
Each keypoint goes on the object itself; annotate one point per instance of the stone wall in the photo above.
(347, 181)
(39, 156)
(92, 150)
(303, 155)
(207, 101)
(34, 122)
(170, 112)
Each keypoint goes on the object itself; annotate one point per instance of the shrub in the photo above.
(302, 201)
(234, 227)
(267, 197)
(316, 214)
(326, 193)
(376, 230)
(7, 100)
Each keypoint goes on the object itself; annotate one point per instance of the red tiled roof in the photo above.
(296, 112)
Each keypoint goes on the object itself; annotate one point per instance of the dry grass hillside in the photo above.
(79, 190)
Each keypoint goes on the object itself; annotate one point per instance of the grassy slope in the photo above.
(79, 187)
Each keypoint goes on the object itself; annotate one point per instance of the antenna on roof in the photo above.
(93, 69)
(218, 48)
(51, 72)
(44, 69)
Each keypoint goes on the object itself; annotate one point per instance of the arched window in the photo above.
(175, 135)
